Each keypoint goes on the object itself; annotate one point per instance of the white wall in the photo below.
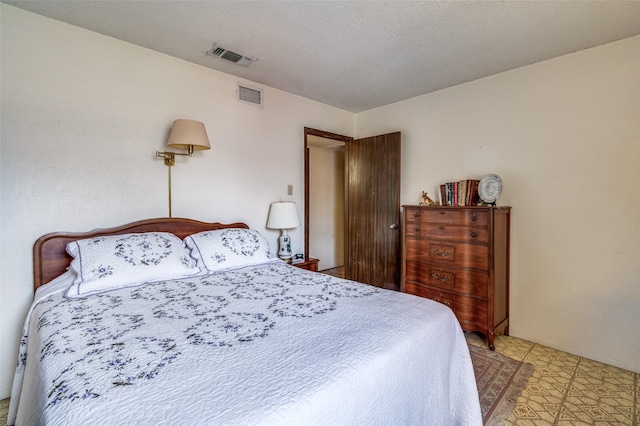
(82, 116)
(565, 137)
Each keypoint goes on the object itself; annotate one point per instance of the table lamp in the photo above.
(283, 215)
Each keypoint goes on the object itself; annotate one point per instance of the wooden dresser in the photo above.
(459, 256)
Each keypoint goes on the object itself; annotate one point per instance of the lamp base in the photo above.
(284, 251)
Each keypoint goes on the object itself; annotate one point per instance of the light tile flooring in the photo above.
(564, 389)
(4, 410)
(567, 389)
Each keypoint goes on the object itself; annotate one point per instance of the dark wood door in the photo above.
(373, 214)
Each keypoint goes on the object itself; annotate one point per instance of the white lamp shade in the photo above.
(186, 133)
(283, 215)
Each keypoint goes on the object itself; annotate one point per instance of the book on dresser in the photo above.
(459, 193)
(459, 256)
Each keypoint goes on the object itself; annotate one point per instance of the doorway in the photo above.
(327, 202)
(325, 199)
(362, 232)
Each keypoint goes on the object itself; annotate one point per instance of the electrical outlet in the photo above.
(289, 189)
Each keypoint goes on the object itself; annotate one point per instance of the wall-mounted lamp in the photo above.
(185, 134)
(283, 215)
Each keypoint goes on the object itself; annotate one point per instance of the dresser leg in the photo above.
(490, 339)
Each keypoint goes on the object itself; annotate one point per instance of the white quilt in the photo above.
(263, 345)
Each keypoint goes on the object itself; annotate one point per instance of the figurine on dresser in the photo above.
(425, 200)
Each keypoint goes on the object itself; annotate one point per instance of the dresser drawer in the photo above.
(475, 256)
(463, 281)
(471, 312)
(448, 216)
(443, 297)
(447, 232)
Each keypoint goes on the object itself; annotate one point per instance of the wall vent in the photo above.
(250, 95)
(218, 51)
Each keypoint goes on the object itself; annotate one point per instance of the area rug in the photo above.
(500, 381)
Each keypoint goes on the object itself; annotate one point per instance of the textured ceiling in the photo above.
(357, 55)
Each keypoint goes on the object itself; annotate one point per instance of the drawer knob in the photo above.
(474, 218)
(442, 253)
(442, 278)
(474, 234)
(441, 299)
(416, 229)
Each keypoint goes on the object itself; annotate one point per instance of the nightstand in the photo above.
(310, 264)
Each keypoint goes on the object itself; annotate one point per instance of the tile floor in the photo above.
(567, 389)
(4, 410)
(564, 389)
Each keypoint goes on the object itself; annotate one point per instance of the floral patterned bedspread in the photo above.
(266, 344)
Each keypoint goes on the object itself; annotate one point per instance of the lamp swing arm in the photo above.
(169, 154)
(170, 157)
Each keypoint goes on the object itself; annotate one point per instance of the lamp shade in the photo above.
(188, 134)
(283, 215)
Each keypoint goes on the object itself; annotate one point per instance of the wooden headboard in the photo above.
(50, 257)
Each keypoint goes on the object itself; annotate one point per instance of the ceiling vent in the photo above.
(250, 95)
(218, 51)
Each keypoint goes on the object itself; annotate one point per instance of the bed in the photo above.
(176, 321)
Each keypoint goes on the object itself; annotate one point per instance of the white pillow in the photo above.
(228, 248)
(116, 261)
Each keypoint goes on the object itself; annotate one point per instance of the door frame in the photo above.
(328, 135)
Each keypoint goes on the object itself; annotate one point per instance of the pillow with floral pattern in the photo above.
(228, 248)
(115, 261)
